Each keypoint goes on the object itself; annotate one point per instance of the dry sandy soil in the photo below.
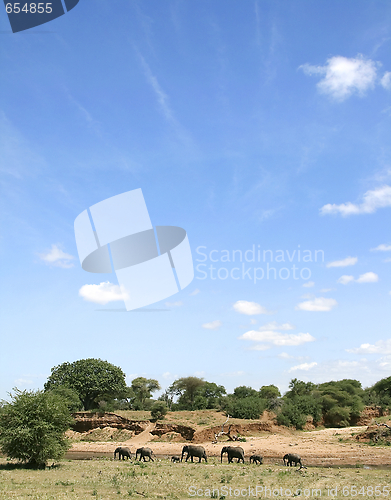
(317, 447)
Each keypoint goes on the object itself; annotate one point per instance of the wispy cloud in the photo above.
(273, 326)
(343, 76)
(249, 308)
(345, 279)
(309, 284)
(382, 248)
(386, 80)
(303, 367)
(349, 261)
(213, 325)
(320, 304)
(276, 338)
(372, 201)
(379, 347)
(103, 293)
(195, 292)
(56, 257)
(369, 277)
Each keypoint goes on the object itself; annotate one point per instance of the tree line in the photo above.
(95, 384)
(33, 423)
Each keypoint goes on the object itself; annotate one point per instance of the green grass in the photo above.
(108, 479)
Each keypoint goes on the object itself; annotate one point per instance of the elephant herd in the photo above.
(124, 452)
(192, 451)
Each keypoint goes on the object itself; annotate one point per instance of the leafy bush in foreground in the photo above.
(32, 427)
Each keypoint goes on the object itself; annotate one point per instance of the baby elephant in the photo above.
(122, 453)
(175, 459)
(256, 459)
(292, 458)
(144, 452)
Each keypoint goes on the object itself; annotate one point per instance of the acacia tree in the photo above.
(186, 388)
(92, 379)
(32, 427)
(142, 389)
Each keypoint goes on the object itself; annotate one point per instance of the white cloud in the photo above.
(363, 278)
(303, 366)
(249, 308)
(317, 304)
(103, 293)
(343, 76)
(386, 80)
(273, 325)
(325, 290)
(372, 200)
(253, 321)
(379, 347)
(57, 257)
(260, 347)
(349, 261)
(309, 284)
(345, 279)
(284, 355)
(195, 292)
(368, 278)
(382, 248)
(277, 338)
(213, 325)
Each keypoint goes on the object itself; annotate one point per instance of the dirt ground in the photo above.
(326, 447)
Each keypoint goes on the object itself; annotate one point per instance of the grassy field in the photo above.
(107, 479)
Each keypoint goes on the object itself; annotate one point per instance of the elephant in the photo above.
(122, 453)
(175, 459)
(233, 452)
(194, 451)
(290, 458)
(144, 452)
(256, 459)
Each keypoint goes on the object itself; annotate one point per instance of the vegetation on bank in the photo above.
(33, 423)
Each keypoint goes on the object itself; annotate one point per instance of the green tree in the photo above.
(342, 402)
(299, 388)
(32, 427)
(70, 397)
(186, 388)
(142, 389)
(272, 395)
(92, 379)
(250, 407)
(244, 392)
(208, 396)
(158, 410)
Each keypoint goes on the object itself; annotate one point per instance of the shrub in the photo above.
(159, 410)
(32, 427)
(250, 407)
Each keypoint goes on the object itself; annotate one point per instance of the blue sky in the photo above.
(257, 124)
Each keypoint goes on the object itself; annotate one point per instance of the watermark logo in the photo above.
(25, 15)
(256, 264)
(151, 264)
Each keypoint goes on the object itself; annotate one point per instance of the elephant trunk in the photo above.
(221, 461)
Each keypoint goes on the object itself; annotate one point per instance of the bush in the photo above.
(32, 427)
(295, 410)
(250, 407)
(159, 410)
